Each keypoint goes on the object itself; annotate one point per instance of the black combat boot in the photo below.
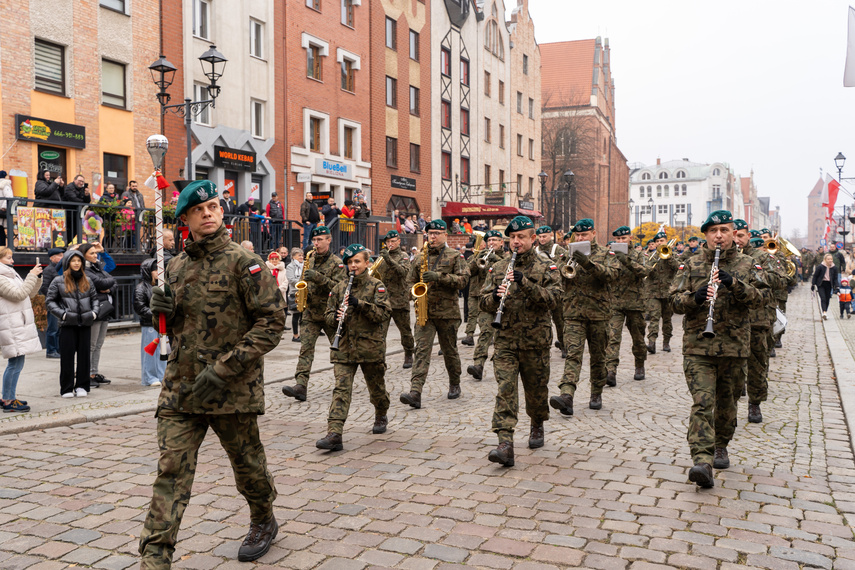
(702, 475)
(258, 540)
(332, 442)
(778, 342)
(476, 371)
(559, 346)
(380, 423)
(408, 358)
(639, 372)
(611, 379)
(754, 414)
(651, 347)
(468, 340)
(666, 345)
(412, 398)
(721, 460)
(596, 402)
(564, 353)
(772, 353)
(562, 403)
(453, 391)
(297, 392)
(744, 391)
(535, 438)
(503, 454)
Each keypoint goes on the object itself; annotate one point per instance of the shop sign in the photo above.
(527, 205)
(333, 169)
(304, 177)
(403, 183)
(51, 132)
(494, 198)
(234, 159)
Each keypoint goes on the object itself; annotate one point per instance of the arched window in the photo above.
(659, 191)
(681, 174)
(663, 176)
(492, 39)
(666, 190)
(716, 172)
(645, 176)
(641, 192)
(650, 191)
(684, 189)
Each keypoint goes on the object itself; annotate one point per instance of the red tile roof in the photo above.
(567, 73)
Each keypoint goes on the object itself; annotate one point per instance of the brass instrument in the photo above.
(708, 332)
(479, 241)
(570, 269)
(419, 291)
(497, 322)
(664, 251)
(789, 251)
(302, 295)
(772, 246)
(344, 300)
(483, 261)
(374, 270)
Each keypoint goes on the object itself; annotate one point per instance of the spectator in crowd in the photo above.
(153, 368)
(249, 208)
(228, 205)
(276, 214)
(247, 245)
(480, 225)
(168, 247)
(825, 279)
(422, 222)
(53, 269)
(455, 226)
(277, 268)
(72, 299)
(330, 212)
(348, 211)
(128, 224)
(18, 334)
(844, 298)
(310, 217)
(134, 195)
(409, 227)
(99, 264)
(5, 192)
(109, 196)
(174, 200)
(293, 273)
(413, 251)
(362, 210)
(47, 189)
(78, 193)
(466, 226)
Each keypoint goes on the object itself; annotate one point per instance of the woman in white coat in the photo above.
(18, 333)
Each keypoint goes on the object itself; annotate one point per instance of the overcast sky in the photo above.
(750, 83)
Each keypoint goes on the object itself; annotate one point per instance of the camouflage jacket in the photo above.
(731, 321)
(628, 289)
(782, 291)
(363, 334)
(587, 297)
(526, 319)
(763, 317)
(331, 271)
(476, 274)
(228, 313)
(687, 253)
(547, 252)
(394, 275)
(442, 294)
(661, 275)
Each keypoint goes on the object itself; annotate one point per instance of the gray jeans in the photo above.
(98, 332)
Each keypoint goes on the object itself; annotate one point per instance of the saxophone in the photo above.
(419, 291)
(302, 295)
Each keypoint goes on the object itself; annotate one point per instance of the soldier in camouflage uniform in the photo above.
(362, 344)
(658, 281)
(557, 255)
(523, 340)
(322, 272)
(476, 278)
(627, 307)
(446, 274)
(714, 366)
(691, 249)
(393, 273)
(586, 317)
(782, 291)
(497, 252)
(223, 314)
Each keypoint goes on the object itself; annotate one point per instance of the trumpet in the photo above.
(302, 295)
(569, 270)
(483, 261)
(772, 246)
(337, 339)
(419, 291)
(665, 251)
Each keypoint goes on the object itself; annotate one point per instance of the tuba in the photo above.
(374, 270)
(479, 241)
(419, 291)
(302, 295)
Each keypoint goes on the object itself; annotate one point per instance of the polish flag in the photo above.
(830, 189)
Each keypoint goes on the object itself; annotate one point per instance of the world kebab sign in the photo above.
(234, 159)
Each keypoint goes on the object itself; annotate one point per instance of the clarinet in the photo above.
(497, 322)
(708, 331)
(334, 345)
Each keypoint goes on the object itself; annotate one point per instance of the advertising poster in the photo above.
(26, 225)
(43, 229)
(40, 228)
(58, 228)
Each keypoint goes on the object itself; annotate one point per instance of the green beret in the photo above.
(437, 225)
(320, 231)
(391, 234)
(543, 230)
(693, 238)
(194, 193)
(518, 224)
(649, 241)
(493, 233)
(352, 250)
(717, 217)
(568, 235)
(622, 231)
(583, 225)
(740, 224)
(765, 231)
(702, 242)
(678, 242)
(757, 242)
(754, 233)
(660, 235)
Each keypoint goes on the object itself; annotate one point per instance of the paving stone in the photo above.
(79, 536)
(445, 553)
(402, 545)
(801, 556)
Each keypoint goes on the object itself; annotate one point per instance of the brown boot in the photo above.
(702, 475)
(408, 358)
(596, 402)
(562, 403)
(535, 438)
(468, 340)
(258, 540)
(453, 391)
(476, 371)
(611, 379)
(412, 398)
(721, 460)
(380, 423)
(331, 442)
(297, 392)
(666, 345)
(503, 454)
(639, 373)
(755, 416)
(651, 347)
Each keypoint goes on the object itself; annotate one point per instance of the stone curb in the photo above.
(844, 370)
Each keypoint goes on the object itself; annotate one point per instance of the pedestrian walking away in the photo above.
(153, 368)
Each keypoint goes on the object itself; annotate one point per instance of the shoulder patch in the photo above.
(682, 266)
(611, 252)
(553, 267)
(381, 289)
(341, 264)
(757, 266)
(253, 269)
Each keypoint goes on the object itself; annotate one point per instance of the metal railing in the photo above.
(123, 299)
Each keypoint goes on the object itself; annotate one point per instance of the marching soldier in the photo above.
(586, 317)
(223, 314)
(522, 341)
(627, 307)
(494, 244)
(691, 250)
(782, 292)
(322, 271)
(362, 344)
(394, 276)
(476, 278)
(554, 253)
(658, 281)
(445, 275)
(714, 365)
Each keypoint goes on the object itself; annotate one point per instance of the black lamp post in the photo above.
(570, 182)
(163, 73)
(839, 161)
(652, 215)
(542, 177)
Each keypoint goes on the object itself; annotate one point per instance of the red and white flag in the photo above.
(830, 189)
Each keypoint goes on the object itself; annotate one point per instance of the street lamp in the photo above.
(542, 177)
(650, 203)
(163, 72)
(570, 181)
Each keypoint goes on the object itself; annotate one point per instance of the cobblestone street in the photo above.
(609, 489)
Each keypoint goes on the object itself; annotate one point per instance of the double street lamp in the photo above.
(163, 74)
(839, 161)
(559, 197)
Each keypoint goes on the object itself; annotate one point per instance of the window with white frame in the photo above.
(350, 63)
(200, 93)
(679, 208)
(347, 12)
(316, 50)
(117, 5)
(684, 189)
(530, 108)
(256, 38)
(113, 83)
(257, 118)
(666, 190)
(659, 191)
(662, 209)
(531, 149)
(202, 19)
(645, 176)
(681, 174)
(350, 135)
(716, 172)
(663, 176)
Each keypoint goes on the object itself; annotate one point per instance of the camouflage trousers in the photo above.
(635, 324)
(660, 309)
(179, 437)
(558, 321)
(530, 366)
(446, 330)
(374, 373)
(775, 338)
(712, 383)
(486, 337)
(474, 312)
(575, 335)
(402, 321)
(309, 333)
(757, 369)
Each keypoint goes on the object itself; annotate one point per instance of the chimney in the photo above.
(658, 161)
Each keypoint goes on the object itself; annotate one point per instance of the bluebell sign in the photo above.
(333, 169)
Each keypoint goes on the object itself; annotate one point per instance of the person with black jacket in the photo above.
(310, 216)
(52, 269)
(72, 300)
(77, 192)
(98, 265)
(825, 280)
(153, 368)
(47, 189)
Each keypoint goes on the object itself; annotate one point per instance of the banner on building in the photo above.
(40, 228)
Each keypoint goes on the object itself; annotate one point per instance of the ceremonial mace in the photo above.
(156, 146)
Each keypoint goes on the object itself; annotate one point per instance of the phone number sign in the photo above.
(38, 130)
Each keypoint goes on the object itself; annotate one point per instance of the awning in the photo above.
(478, 211)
